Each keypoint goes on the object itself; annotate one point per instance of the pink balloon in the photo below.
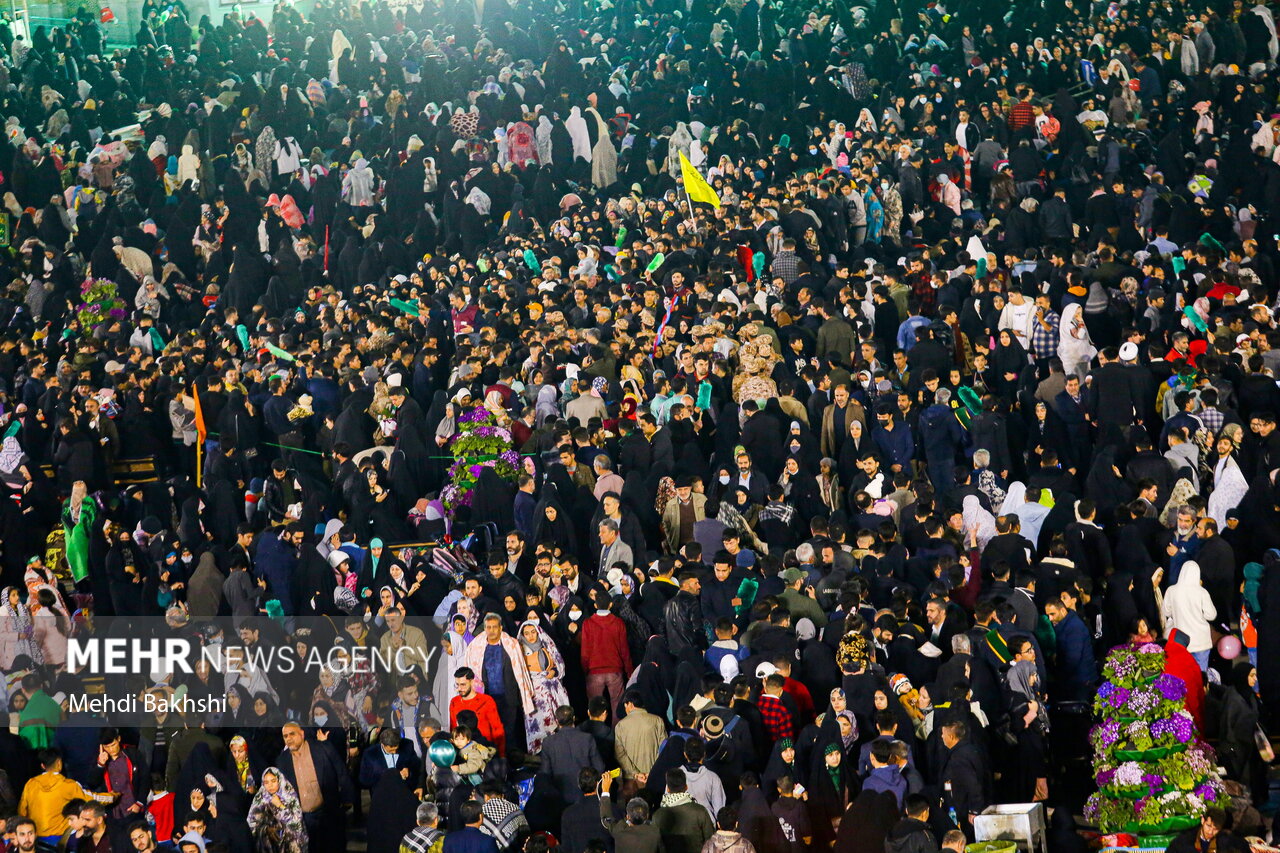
(1230, 647)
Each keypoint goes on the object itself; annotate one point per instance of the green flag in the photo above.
(1195, 318)
(1209, 240)
(656, 262)
(243, 334)
(407, 307)
(279, 353)
(1178, 265)
(12, 430)
(622, 237)
(704, 395)
(531, 261)
(77, 537)
(157, 342)
(746, 594)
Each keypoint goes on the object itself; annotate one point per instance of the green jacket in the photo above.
(802, 606)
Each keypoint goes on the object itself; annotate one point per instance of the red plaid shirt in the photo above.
(922, 289)
(777, 719)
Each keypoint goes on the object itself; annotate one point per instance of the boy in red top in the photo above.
(804, 701)
(777, 719)
(486, 710)
(606, 658)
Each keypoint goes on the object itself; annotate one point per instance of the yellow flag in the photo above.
(695, 185)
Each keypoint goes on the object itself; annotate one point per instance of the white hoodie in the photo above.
(1188, 608)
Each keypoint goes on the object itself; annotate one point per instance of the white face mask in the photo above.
(575, 615)
(724, 479)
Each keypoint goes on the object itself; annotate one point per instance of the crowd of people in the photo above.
(863, 374)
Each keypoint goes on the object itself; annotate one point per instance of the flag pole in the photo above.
(199, 463)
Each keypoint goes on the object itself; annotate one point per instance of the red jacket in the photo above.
(604, 645)
(487, 713)
(1179, 663)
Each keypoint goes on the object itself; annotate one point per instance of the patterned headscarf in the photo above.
(666, 493)
(854, 652)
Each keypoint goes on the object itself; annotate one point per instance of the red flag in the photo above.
(106, 16)
(201, 431)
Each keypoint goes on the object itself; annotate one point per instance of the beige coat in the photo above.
(637, 739)
(671, 519)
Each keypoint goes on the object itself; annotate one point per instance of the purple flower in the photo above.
(1171, 687)
(1105, 778)
(1153, 781)
(1183, 729)
(475, 470)
(119, 313)
(1206, 791)
(1108, 732)
(1106, 689)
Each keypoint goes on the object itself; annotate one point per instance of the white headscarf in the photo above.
(974, 513)
(1074, 344)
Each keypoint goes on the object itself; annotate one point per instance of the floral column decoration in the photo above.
(1155, 775)
(100, 304)
(479, 443)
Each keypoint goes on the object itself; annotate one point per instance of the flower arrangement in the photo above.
(100, 303)
(1167, 734)
(1161, 696)
(1154, 774)
(479, 443)
(1130, 667)
(1162, 812)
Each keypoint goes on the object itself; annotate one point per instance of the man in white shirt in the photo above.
(1016, 316)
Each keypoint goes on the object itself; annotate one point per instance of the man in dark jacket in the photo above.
(276, 560)
(635, 834)
(580, 822)
(912, 833)
(124, 772)
(1055, 218)
(1212, 834)
(323, 819)
(391, 752)
(1112, 397)
(1076, 670)
(1072, 405)
(1149, 465)
(965, 777)
(1087, 544)
(682, 620)
(566, 752)
(941, 438)
(1217, 567)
